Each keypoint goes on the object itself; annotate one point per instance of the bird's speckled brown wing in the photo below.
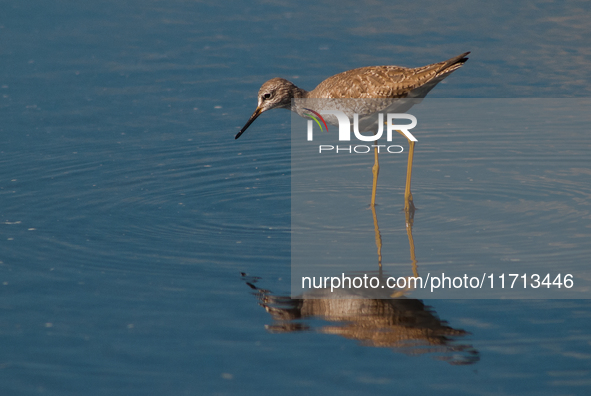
(385, 81)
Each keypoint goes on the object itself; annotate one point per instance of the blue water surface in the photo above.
(145, 251)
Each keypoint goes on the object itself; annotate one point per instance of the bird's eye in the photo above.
(266, 96)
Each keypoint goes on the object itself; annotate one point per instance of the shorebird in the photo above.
(380, 82)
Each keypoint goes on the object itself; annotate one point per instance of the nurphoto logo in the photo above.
(344, 123)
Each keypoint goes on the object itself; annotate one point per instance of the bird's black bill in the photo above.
(253, 117)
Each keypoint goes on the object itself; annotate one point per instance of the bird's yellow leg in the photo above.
(378, 235)
(409, 209)
(376, 171)
(409, 206)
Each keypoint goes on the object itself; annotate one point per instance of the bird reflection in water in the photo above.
(405, 325)
(376, 317)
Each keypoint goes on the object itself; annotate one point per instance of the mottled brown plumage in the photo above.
(379, 82)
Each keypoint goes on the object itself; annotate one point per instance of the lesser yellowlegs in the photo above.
(362, 83)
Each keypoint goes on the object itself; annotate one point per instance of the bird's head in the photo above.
(274, 94)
